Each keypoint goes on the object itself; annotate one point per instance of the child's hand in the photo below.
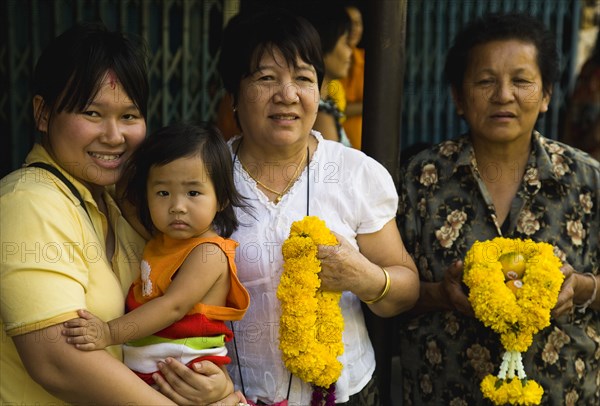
(87, 333)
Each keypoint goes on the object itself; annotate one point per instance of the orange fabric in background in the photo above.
(225, 119)
(354, 86)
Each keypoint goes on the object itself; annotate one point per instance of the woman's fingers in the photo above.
(192, 387)
(564, 302)
(454, 288)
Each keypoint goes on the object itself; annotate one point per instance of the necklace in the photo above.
(290, 183)
(235, 156)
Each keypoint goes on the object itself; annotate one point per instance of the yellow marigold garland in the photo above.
(516, 315)
(311, 324)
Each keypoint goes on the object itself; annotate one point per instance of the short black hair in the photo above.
(69, 72)
(249, 35)
(179, 141)
(501, 26)
(331, 20)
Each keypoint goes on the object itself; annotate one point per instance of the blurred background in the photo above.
(184, 36)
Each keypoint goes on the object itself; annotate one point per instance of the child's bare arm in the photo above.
(201, 278)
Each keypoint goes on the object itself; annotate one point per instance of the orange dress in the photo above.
(354, 86)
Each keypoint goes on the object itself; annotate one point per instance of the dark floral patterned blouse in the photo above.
(444, 209)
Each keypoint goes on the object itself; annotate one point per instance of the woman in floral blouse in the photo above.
(502, 178)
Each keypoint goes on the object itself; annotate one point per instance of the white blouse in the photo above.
(353, 194)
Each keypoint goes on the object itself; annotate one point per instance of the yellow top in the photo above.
(336, 91)
(53, 263)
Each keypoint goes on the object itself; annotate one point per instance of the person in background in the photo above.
(271, 63)
(501, 178)
(333, 25)
(66, 245)
(353, 83)
(582, 124)
(181, 180)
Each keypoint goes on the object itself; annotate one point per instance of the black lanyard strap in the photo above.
(63, 178)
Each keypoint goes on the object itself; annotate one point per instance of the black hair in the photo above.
(70, 70)
(498, 26)
(249, 35)
(331, 20)
(180, 141)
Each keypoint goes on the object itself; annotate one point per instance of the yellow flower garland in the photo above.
(515, 316)
(311, 324)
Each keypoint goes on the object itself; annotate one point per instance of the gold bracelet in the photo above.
(385, 290)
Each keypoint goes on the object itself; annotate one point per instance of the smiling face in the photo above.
(502, 97)
(182, 199)
(278, 103)
(93, 145)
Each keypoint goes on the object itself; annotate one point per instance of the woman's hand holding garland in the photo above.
(311, 325)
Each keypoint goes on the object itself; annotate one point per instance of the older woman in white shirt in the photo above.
(272, 66)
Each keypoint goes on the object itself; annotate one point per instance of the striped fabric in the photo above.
(201, 334)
